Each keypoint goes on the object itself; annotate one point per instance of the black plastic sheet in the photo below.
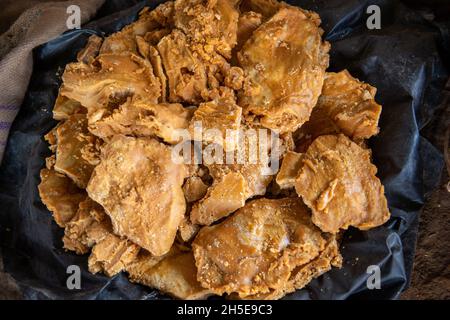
(402, 59)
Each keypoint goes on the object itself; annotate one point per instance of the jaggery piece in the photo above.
(144, 120)
(224, 197)
(186, 73)
(65, 107)
(347, 106)
(112, 255)
(174, 274)
(149, 52)
(220, 121)
(187, 230)
(90, 51)
(149, 21)
(89, 226)
(139, 186)
(194, 189)
(72, 136)
(60, 195)
(109, 81)
(258, 249)
(302, 275)
(247, 23)
(284, 61)
(290, 168)
(210, 25)
(338, 182)
(50, 161)
(50, 137)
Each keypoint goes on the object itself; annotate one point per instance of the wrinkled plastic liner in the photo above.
(402, 60)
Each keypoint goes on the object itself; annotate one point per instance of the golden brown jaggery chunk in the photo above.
(50, 137)
(89, 226)
(290, 168)
(72, 137)
(50, 162)
(140, 119)
(347, 106)
(174, 274)
(234, 78)
(139, 186)
(284, 61)
(210, 24)
(194, 189)
(248, 22)
(112, 255)
(65, 107)
(90, 51)
(60, 195)
(149, 21)
(224, 197)
(109, 81)
(187, 230)
(258, 248)
(218, 119)
(186, 73)
(242, 179)
(266, 8)
(338, 182)
(302, 275)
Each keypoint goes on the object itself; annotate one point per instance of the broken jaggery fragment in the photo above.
(174, 274)
(258, 249)
(112, 255)
(222, 198)
(149, 21)
(109, 81)
(220, 121)
(158, 69)
(187, 230)
(164, 120)
(265, 8)
(346, 106)
(247, 176)
(290, 167)
(210, 26)
(90, 51)
(194, 189)
(248, 22)
(149, 52)
(50, 137)
(338, 182)
(60, 195)
(284, 61)
(139, 185)
(89, 226)
(234, 78)
(186, 73)
(65, 107)
(50, 162)
(302, 275)
(72, 136)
